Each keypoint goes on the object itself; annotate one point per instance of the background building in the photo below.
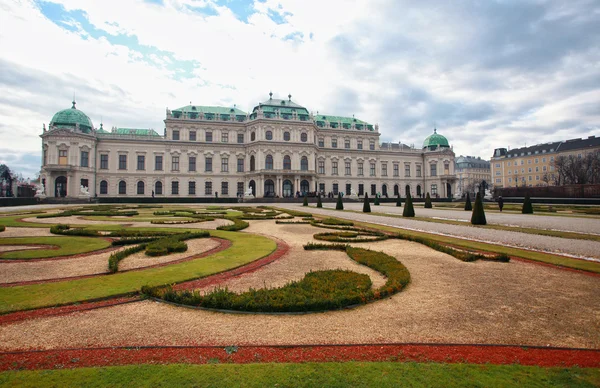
(537, 165)
(277, 150)
(473, 174)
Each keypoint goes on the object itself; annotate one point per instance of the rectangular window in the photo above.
(208, 137)
(158, 162)
(348, 170)
(85, 159)
(45, 157)
(122, 162)
(396, 170)
(141, 162)
(208, 165)
(543, 168)
(348, 189)
(361, 189)
(225, 188)
(335, 189)
(175, 135)
(543, 160)
(321, 143)
(175, 188)
(192, 188)
(372, 146)
(192, 135)
(207, 188)
(104, 162)
(446, 168)
(433, 190)
(537, 160)
(384, 169)
(321, 167)
(240, 138)
(361, 170)
(529, 161)
(240, 165)
(497, 165)
(347, 144)
(240, 188)
(508, 164)
(552, 158)
(537, 169)
(334, 168)
(529, 169)
(407, 170)
(334, 143)
(192, 163)
(224, 137)
(537, 177)
(372, 173)
(418, 170)
(497, 172)
(175, 163)
(509, 180)
(359, 145)
(224, 164)
(433, 167)
(373, 190)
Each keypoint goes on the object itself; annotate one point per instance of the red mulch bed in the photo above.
(223, 244)
(475, 354)
(282, 249)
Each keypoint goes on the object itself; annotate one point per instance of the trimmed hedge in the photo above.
(67, 231)
(396, 273)
(319, 202)
(468, 205)
(527, 205)
(115, 258)
(325, 247)
(164, 246)
(292, 222)
(237, 225)
(69, 213)
(351, 236)
(409, 209)
(134, 240)
(478, 215)
(340, 204)
(305, 203)
(335, 222)
(428, 204)
(366, 205)
(2, 228)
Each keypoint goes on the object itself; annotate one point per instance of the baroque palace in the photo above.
(277, 150)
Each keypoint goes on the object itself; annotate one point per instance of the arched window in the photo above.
(384, 190)
(396, 190)
(269, 162)
(304, 187)
(407, 190)
(122, 187)
(286, 136)
(253, 136)
(103, 187)
(269, 135)
(252, 163)
(140, 188)
(304, 137)
(304, 163)
(158, 188)
(287, 162)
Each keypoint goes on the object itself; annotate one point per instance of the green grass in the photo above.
(68, 245)
(245, 248)
(349, 374)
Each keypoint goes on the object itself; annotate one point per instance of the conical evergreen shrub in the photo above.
(527, 205)
(319, 203)
(468, 205)
(340, 204)
(428, 204)
(478, 216)
(305, 203)
(367, 205)
(399, 201)
(376, 202)
(409, 210)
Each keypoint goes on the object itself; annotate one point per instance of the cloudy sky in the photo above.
(487, 73)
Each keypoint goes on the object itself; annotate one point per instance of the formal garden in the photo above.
(301, 295)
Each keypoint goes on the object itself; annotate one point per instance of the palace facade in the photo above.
(279, 149)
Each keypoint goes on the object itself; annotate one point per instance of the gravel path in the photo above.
(448, 301)
(558, 245)
(79, 220)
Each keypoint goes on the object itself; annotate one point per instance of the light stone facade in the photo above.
(214, 154)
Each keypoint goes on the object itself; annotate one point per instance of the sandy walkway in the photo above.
(448, 301)
(25, 232)
(79, 220)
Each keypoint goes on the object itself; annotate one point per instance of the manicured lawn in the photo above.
(67, 245)
(245, 248)
(351, 374)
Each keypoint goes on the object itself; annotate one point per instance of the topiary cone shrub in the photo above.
(527, 205)
(376, 202)
(478, 216)
(340, 204)
(428, 204)
(367, 205)
(319, 203)
(399, 201)
(305, 203)
(468, 205)
(409, 209)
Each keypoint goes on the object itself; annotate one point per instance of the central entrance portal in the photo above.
(60, 187)
(288, 189)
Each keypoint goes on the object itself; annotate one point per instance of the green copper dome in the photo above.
(69, 118)
(434, 141)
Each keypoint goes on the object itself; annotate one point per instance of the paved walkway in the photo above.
(563, 246)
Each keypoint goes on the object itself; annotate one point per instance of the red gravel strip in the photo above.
(64, 310)
(223, 244)
(282, 249)
(473, 354)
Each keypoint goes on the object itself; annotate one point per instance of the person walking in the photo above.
(500, 203)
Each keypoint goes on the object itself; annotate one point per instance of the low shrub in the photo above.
(140, 233)
(460, 255)
(501, 257)
(428, 204)
(161, 222)
(305, 203)
(115, 258)
(2, 228)
(134, 240)
(296, 213)
(308, 219)
(292, 222)
(468, 205)
(67, 231)
(396, 273)
(527, 205)
(325, 247)
(172, 244)
(237, 225)
(333, 221)
(353, 236)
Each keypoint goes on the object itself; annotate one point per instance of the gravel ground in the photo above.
(448, 301)
(25, 232)
(558, 245)
(79, 220)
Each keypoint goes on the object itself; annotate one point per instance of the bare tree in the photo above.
(580, 170)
